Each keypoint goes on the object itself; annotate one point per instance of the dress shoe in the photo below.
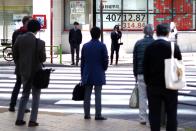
(73, 64)
(143, 123)
(11, 109)
(87, 117)
(100, 118)
(20, 123)
(33, 124)
(27, 110)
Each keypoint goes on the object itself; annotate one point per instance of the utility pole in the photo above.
(101, 19)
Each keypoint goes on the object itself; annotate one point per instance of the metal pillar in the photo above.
(101, 19)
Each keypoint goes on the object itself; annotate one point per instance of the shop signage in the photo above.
(41, 19)
(77, 11)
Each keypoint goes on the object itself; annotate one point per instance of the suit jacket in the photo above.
(94, 63)
(75, 37)
(24, 54)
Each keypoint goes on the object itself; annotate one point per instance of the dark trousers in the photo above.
(155, 99)
(27, 86)
(87, 100)
(116, 49)
(73, 50)
(15, 91)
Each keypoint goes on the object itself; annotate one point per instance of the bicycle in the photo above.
(7, 51)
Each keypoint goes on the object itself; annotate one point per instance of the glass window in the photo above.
(134, 14)
(76, 10)
(130, 15)
(181, 12)
(111, 13)
(11, 14)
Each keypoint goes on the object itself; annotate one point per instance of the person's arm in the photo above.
(134, 61)
(177, 52)
(70, 36)
(146, 65)
(15, 50)
(113, 35)
(82, 61)
(80, 36)
(13, 37)
(119, 34)
(105, 57)
(42, 52)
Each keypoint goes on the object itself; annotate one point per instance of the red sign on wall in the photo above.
(42, 20)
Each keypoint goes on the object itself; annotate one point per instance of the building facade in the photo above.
(131, 15)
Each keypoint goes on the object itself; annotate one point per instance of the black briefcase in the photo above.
(78, 92)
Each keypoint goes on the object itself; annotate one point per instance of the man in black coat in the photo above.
(157, 93)
(116, 34)
(75, 39)
(17, 86)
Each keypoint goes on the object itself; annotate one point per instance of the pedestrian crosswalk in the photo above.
(115, 94)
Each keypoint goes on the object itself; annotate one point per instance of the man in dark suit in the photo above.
(94, 63)
(17, 86)
(157, 93)
(24, 51)
(75, 39)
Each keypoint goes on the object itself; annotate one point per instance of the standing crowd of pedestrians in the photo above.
(148, 68)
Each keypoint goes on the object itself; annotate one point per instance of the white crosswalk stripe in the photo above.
(115, 94)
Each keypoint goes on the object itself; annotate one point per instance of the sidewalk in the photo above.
(69, 122)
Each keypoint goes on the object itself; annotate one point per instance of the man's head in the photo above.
(148, 30)
(33, 26)
(163, 30)
(95, 33)
(76, 24)
(25, 20)
(116, 27)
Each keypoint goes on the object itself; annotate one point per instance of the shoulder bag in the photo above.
(42, 76)
(174, 72)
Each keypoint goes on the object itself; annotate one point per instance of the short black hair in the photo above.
(26, 19)
(116, 27)
(163, 29)
(76, 23)
(95, 32)
(33, 26)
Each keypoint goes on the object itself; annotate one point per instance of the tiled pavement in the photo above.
(69, 122)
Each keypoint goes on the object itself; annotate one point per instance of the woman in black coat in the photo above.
(115, 36)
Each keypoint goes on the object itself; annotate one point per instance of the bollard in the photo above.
(60, 53)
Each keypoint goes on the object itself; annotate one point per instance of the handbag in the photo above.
(42, 78)
(134, 99)
(174, 72)
(120, 43)
(78, 92)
